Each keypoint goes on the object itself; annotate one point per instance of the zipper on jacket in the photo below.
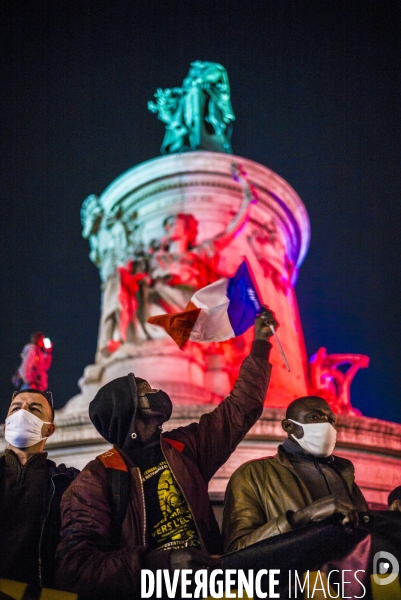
(20, 478)
(43, 527)
(21, 474)
(189, 506)
(318, 467)
(22, 469)
(144, 506)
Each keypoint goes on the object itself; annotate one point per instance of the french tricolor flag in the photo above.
(217, 312)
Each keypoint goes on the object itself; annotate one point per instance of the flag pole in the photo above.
(280, 347)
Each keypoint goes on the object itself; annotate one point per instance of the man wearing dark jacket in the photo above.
(31, 487)
(305, 483)
(169, 521)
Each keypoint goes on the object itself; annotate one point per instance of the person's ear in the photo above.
(292, 429)
(396, 505)
(287, 426)
(48, 430)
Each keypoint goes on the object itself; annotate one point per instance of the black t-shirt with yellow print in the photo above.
(169, 521)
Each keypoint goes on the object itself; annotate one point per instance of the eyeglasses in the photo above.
(47, 394)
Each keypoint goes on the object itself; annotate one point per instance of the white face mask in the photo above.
(23, 429)
(319, 439)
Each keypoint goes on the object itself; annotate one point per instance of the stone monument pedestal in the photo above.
(274, 237)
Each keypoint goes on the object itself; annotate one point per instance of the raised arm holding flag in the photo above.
(162, 476)
(218, 312)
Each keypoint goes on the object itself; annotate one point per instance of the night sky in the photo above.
(315, 87)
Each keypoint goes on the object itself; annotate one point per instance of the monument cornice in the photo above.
(152, 184)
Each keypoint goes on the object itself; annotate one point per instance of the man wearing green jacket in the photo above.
(304, 483)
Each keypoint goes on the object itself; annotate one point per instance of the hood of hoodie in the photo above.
(113, 409)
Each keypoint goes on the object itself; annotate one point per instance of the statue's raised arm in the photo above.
(249, 196)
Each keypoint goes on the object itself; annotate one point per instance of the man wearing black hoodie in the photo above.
(168, 520)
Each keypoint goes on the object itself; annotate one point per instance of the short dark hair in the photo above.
(45, 393)
(294, 406)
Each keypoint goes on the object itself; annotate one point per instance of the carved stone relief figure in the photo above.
(140, 281)
(333, 384)
(269, 250)
(180, 266)
(110, 238)
(91, 218)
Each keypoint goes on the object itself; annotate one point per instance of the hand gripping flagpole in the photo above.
(280, 347)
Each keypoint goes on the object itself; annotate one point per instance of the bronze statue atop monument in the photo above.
(199, 114)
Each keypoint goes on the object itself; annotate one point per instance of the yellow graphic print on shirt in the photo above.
(176, 528)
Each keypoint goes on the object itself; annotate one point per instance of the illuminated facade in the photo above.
(273, 233)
